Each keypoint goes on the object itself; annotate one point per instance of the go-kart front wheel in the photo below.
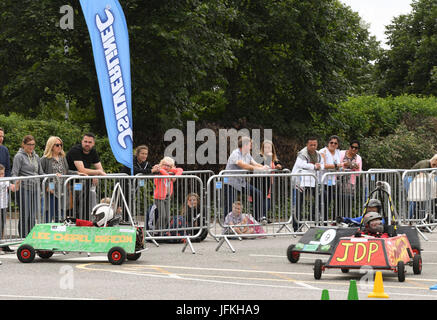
(401, 271)
(417, 264)
(116, 255)
(26, 253)
(318, 268)
(293, 256)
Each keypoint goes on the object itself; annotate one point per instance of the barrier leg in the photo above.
(188, 243)
(153, 240)
(421, 233)
(222, 240)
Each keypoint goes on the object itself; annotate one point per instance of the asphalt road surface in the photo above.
(259, 270)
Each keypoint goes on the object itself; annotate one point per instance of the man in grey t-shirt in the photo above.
(240, 159)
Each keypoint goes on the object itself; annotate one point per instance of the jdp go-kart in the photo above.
(348, 248)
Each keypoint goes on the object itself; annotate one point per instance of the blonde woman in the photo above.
(54, 162)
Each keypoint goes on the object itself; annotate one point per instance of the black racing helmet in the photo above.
(374, 203)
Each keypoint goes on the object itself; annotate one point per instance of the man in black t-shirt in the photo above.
(84, 158)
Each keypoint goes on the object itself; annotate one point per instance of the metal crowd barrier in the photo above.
(344, 194)
(420, 199)
(20, 203)
(266, 202)
(176, 218)
(277, 202)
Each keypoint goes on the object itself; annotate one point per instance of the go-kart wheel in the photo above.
(133, 256)
(417, 264)
(415, 250)
(44, 254)
(293, 256)
(401, 271)
(26, 253)
(344, 270)
(318, 266)
(116, 255)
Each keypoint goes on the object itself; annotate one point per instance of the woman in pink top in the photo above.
(351, 161)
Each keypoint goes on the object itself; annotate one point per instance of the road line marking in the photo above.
(305, 286)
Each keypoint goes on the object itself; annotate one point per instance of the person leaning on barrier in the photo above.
(5, 157)
(27, 163)
(417, 190)
(82, 158)
(269, 159)
(5, 161)
(351, 161)
(309, 161)
(140, 163)
(54, 162)
(426, 164)
(5, 186)
(163, 189)
(331, 160)
(241, 159)
(140, 166)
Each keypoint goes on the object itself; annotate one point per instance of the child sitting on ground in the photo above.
(236, 217)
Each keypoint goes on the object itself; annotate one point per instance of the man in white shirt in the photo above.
(308, 161)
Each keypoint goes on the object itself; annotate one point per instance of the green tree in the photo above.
(410, 65)
(297, 57)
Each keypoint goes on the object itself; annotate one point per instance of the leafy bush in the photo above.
(400, 150)
(16, 127)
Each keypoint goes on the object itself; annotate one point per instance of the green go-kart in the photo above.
(121, 241)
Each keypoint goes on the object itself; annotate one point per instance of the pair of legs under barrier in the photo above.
(260, 203)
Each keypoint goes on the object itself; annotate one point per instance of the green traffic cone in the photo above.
(353, 292)
(325, 294)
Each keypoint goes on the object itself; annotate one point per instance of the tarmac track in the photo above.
(257, 271)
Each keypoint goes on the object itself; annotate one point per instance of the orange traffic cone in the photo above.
(378, 287)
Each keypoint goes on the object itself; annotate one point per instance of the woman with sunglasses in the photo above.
(331, 158)
(54, 162)
(351, 161)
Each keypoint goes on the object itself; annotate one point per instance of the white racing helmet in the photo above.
(377, 226)
(101, 214)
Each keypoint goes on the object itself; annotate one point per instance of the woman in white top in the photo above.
(331, 158)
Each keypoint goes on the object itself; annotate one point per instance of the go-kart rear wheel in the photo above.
(344, 270)
(116, 255)
(26, 253)
(318, 268)
(293, 256)
(133, 256)
(401, 271)
(44, 254)
(417, 264)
